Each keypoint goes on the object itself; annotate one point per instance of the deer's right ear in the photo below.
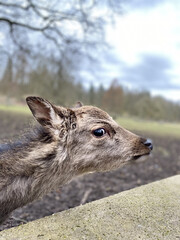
(78, 104)
(44, 112)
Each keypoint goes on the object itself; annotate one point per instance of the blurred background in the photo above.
(122, 56)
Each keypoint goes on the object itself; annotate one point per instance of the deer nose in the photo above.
(148, 143)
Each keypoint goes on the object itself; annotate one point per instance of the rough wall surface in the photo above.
(148, 212)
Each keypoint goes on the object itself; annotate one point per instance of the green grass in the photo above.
(156, 128)
(15, 109)
(133, 124)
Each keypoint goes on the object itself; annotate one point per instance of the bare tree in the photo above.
(60, 31)
(76, 23)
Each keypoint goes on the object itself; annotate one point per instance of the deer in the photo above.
(64, 144)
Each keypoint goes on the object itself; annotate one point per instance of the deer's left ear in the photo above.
(45, 112)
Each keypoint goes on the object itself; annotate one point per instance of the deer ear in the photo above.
(44, 112)
(78, 105)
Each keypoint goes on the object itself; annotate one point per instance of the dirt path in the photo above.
(164, 162)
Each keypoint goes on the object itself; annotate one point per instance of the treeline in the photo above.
(120, 101)
(55, 81)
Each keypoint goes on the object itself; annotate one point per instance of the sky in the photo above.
(145, 48)
(144, 52)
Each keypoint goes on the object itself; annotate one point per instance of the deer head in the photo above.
(92, 139)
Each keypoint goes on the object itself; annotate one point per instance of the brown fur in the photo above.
(63, 147)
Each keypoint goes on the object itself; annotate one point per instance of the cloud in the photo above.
(139, 4)
(152, 72)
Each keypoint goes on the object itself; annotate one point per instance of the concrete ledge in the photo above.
(148, 212)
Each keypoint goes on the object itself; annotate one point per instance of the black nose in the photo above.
(148, 143)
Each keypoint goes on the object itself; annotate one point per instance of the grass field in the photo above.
(163, 129)
(156, 128)
(15, 109)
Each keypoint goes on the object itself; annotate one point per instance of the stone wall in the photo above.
(147, 212)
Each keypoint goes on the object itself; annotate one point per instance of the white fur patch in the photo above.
(54, 117)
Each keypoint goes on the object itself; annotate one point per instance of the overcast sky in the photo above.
(145, 49)
(145, 52)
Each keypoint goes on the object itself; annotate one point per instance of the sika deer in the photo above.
(67, 143)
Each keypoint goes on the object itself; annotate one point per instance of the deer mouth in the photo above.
(136, 157)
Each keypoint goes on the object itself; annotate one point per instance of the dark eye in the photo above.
(73, 126)
(99, 132)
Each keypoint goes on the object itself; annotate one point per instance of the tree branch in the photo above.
(21, 48)
(52, 39)
(35, 9)
(12, 22)
(54, 21)
(14, 5)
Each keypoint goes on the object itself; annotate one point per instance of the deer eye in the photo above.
(99, 132)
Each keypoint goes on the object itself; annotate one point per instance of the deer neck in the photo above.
(31, 168)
